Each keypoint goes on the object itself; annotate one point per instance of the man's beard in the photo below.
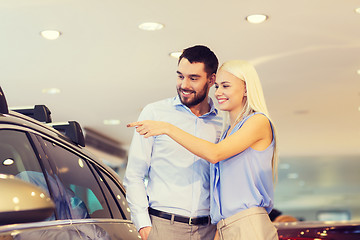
(197, 98)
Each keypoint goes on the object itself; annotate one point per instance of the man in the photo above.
(175, 203)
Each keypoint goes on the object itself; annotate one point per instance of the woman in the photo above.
(244, 162)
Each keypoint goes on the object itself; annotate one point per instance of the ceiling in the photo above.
(306, 54)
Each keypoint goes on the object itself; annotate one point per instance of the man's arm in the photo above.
(136, 171)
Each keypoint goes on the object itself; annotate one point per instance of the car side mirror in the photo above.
(22, 202)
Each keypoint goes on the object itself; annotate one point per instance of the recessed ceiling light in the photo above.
(112, 122)
(151, 26)
(51, 90)
(293, 176)
(358, 71)
(175, 54)
(8, 162)
(256, 18)
(357, 10)
(80, 162)
(50, 34)
(284, 166)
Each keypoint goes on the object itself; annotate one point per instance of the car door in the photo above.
(19, 157)
(86, 197)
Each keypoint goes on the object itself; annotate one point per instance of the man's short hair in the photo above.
(201, 54)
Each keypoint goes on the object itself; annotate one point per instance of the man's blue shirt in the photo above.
(178, 181)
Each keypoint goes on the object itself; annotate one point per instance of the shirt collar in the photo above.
(213, 109)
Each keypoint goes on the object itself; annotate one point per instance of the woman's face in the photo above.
(230, 91)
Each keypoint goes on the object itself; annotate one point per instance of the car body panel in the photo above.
(331, 230)
(66, 225)
(71, 229)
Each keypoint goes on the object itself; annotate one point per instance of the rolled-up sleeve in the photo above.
(137, 169)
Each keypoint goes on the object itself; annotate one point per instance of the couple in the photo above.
(191, 163)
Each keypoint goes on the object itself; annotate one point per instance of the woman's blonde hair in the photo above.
(255, 101)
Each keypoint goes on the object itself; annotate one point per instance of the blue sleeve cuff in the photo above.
(142, 220)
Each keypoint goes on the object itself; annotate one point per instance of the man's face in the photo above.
(192, 82)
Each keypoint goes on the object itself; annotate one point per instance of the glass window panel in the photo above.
(119, 196)
(17, 158)
(84, 197)
(110, 197)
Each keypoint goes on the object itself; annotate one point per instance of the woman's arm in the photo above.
(254, 131)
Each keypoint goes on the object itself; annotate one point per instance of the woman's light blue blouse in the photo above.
(242, 181)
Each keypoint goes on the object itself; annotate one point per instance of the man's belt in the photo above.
(177, 218)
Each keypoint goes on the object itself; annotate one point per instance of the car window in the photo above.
(18, 158)
(115, 210)
(84, 194)
(117, 194)
(16, 153)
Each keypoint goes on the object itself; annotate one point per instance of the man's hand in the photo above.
(217, 237)
(144, 232)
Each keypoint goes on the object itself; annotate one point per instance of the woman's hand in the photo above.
(150, 128)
